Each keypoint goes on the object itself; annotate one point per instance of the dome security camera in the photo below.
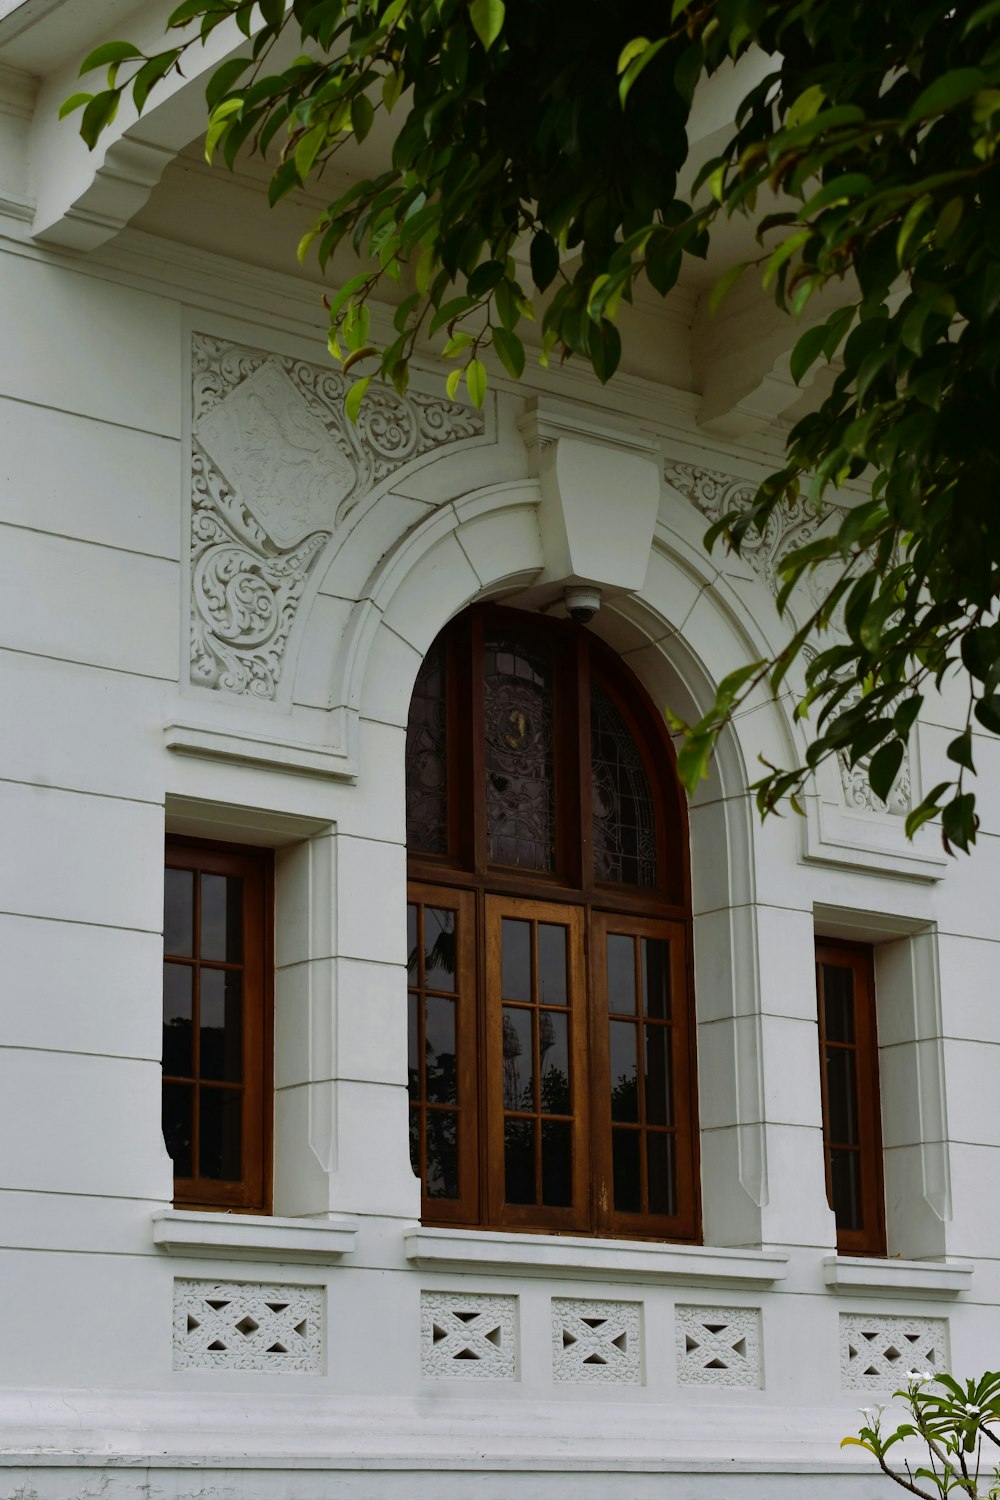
(582, 603)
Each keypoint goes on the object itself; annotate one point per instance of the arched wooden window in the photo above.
(551, 1061)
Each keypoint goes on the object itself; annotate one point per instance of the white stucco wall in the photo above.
(107, 740)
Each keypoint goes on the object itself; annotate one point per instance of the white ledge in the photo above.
(258, 750)
(612, 1260)
(253, 1236)
(878, 1277)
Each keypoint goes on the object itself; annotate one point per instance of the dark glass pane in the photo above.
(621, 973)
(439, 1050)
(845, 1179)
(415, 1141)
(841, 1096)
(515, 978)
(177, 993)
(624, 1071)
(654, 966)
(838, 1003)
(557, 1163)
(551, 964)
(439, 948)
(553, 1061)
(519, 1161)
(222, 918)
(662, 1173)
(624, 822)
(625, 1166)
(178, 912)
(518, 1059)
(412, 954)
(520, 778)
(413, 1043)
(220, 1137)
(442, 1153)
(427, 757)
(177, 1133)
(659, 1091)
(221, 1025)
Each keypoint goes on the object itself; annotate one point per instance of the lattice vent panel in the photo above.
(718, 1346)
(596, 1342)
(468, 1336)
(878, 1352)
(241, 1325)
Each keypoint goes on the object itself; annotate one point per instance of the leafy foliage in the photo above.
(534, 175)
(951, 1421)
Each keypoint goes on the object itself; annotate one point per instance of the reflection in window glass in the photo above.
(520, 769)
(624, 821)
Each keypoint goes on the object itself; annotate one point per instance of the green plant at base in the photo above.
(951, 1422)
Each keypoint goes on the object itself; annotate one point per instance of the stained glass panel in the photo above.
(624, 822)
(520, 776)
(427, 757)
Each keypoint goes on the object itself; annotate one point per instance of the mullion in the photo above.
(422, 1041)
(196, 1034)
(640, 1078)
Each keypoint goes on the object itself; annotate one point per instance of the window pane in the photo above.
(412, 955)
(662, 1174)
(515, 979)
(519, 1161)
(553, 1055)
(427, 758)
(221, 1025)
(838, 1003)
(518, 1059)
(220, 1134)
(659, 1093)
(439, 1050)
(178, 912)
(625, 1166)
(520, 776)
(845, 1181)
(442, 1153)
(177, 992)
(415, 1142)
(654, 965)
(222, 918)
(551, 964)
(841, 1096)
(624, 822)
(177, 1132)
(621, 973)
(439, 948)
(624, 1071)
(557, 1163)
(413, 1042)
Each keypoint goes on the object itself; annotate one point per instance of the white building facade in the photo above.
(218, 600)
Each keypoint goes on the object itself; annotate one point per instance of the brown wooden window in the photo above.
(550, 1036)
(217, 1024)
(852, 1135)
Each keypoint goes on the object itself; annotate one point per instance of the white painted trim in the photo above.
(878, 1277)
(495, 1252)
(260, 750)
(253, 1236)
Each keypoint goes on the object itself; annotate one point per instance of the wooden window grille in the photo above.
(852, 1135)
(550, 1009)
(217, 961)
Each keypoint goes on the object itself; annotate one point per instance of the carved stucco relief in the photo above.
(277, 470)
(788, 526)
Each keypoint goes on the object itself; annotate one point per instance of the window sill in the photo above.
(253, 1236)
(873, 1276)
(496, 1253)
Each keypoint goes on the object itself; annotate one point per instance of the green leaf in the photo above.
(307, 150)
(635, 48)
(223, 79)
(944, 93)
(637, 66)
(883, 768)
(109, 52)
(988, 713)
(75, 101)
(806, 106)
(959, 822)
(475, 380)
(487, 17)
(453, 382)
(510, 351)
(354, 398)
(544, 260)
(960, 750)
(98, 114)
(724, 285)
(981, 16)
(807, 351)
(149, 74)
(362, 115)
